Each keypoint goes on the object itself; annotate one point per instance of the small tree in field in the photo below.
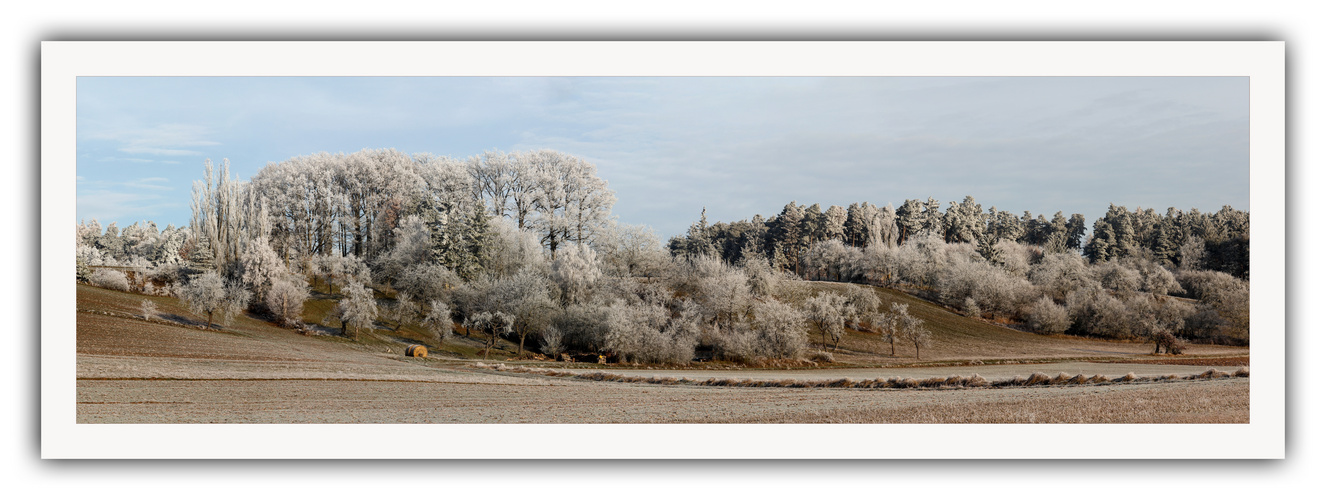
(149, 309)
(914, 332)
(286, 297)
(493, 325)
(209, 294)
(894, 323)
(438, 320)
(551, 341)
(403, 311)
(826, 312)
(357, 310)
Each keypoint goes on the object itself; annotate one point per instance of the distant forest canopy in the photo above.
(1213, 241)
(524, 244)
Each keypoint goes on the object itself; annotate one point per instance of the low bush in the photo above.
(149, 309)
(111, 279)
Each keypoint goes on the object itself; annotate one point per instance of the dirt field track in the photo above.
(136, 371)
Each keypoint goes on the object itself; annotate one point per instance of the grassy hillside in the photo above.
(957, 337)
(110, 323)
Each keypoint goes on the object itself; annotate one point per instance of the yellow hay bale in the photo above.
(416, 351)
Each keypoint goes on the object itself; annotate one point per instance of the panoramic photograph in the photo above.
(672, 250)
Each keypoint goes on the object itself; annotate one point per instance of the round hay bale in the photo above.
(416, 351)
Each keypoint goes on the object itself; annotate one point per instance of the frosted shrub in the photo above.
(111, 279)
(286, 297)
(642, 333)
(551, 341)
(1058, 274)
(583, 326)
(970, 309)
(1114, 276)
(781, 329)
(1047, 317)
(438, 320)
(740, 344)
(1095, 312)
(149, 309)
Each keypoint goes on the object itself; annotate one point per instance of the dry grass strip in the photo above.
(950, 382)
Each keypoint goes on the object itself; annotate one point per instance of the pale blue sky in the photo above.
(669, 146)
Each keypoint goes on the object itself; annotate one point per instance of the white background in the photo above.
(24, 29)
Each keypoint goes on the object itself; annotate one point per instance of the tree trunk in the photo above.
(209, 320)
(522, 345)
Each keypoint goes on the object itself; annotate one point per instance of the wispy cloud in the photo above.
(139, 150)
(152, 183)
(110, 205)
(169, 139)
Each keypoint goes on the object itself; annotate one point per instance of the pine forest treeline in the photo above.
(524, 246)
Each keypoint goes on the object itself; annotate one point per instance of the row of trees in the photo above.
(786, 238)
(1190, 240)
(523, 246)
(354, 203)
(1020, 269)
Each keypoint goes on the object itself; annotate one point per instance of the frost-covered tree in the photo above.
(631, 251)
(1060, 273)
(427, 282)
(1095, 312)
(260, 267)
(438, 320)
(826, 313)
(1047, 317)
(357, 309)
(340, 270)
(892, 324)
(515, 249)
(861, 304)
(526, 296)
(222, 220)
(413, 245)
(209, 294)
(550, 341)
(835, 220)
(572, 202)
(781, 329)
(492, 325)
(913, 331)
(1192, 255)
(963, 222)
(760, 275)
(722, 292)
(789, 238)
(285, 298)
(401, 311)
(638, 332)
(575, 271)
